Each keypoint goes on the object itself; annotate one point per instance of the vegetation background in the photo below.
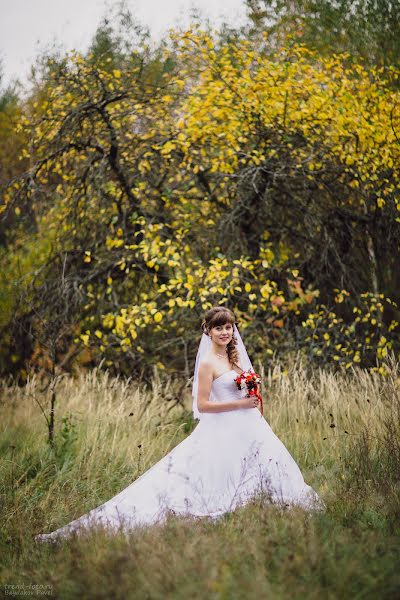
(140, 184)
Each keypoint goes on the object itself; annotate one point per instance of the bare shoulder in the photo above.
(206, 366)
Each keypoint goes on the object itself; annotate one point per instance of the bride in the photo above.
(231, 455)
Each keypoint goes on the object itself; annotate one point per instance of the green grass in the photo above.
(258, 551)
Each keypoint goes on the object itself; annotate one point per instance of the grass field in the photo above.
(343, 430)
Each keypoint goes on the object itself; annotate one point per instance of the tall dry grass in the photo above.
(342, 429)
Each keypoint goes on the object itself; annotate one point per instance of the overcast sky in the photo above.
(28, 27)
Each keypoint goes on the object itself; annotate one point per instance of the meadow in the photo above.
(343, 429)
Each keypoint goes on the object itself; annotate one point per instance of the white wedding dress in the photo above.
(228, 458)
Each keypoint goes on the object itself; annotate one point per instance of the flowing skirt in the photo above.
(228, 459)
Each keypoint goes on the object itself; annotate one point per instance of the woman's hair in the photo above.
(219, 315)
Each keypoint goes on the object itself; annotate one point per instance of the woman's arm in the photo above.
(203, 393)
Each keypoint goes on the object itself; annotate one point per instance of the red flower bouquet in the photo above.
(250, 381)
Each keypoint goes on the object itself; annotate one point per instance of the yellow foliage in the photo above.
(205, 119)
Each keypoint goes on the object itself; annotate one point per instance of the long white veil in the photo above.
(204, 346)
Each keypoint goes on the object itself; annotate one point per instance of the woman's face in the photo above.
(222, 334)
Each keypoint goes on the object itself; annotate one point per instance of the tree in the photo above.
(228, 178)
(369, 30)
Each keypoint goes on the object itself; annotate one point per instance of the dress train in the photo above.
(228, 458)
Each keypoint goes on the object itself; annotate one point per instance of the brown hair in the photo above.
(219, 315)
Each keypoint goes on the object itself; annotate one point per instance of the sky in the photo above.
(29, 27)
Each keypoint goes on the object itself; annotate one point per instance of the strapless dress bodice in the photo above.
(224, 389)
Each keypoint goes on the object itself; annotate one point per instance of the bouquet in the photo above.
(250, 381)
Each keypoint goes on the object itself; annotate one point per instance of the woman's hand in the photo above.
(249, 402)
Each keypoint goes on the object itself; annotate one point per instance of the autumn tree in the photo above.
(211, 174)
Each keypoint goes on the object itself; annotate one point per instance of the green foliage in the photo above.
(369, 30)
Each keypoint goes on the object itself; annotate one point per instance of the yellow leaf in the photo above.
(158, 317)
(266, 290)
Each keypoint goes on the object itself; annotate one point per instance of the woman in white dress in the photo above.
(231, 456)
